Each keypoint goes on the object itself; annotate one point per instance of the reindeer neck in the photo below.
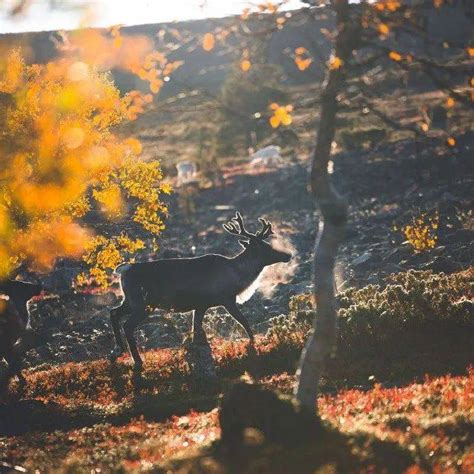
(249, 266)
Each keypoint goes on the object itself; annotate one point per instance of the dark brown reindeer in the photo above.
(16, 335)
(192, 284)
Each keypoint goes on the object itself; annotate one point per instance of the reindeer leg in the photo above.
(14, 368)
(115, 316)
(240, 318)
(199, 335)
(137, 305)
(15, 356)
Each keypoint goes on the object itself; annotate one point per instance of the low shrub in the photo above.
(413, 312)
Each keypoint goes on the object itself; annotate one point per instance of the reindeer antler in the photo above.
(236, 227)
(266, 229)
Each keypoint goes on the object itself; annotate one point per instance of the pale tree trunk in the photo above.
(332, 224)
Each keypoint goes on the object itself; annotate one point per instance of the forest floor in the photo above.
(401, 405)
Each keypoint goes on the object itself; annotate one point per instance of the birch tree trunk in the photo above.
(333, 211)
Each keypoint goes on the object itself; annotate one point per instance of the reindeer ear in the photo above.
(244, 243)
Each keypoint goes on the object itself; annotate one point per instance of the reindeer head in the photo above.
(255, 243)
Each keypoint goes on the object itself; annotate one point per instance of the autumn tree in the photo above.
(62, 159)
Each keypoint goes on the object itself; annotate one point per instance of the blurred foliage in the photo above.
(60, 161)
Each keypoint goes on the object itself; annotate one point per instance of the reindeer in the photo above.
(16, 335)
(192, 284)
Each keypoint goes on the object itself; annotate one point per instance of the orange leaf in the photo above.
(286, 119)
(451, 141)
(155, 86)
(335, 63)
(275, 121)
(394, 56)
(134, 145)
(245, 13)
(449, 102)
(245, 65)
(383, 29)
(208, 42)
(303, 64)
(393, 5)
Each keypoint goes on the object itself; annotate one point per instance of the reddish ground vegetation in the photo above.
(101, 384)
(429, 419)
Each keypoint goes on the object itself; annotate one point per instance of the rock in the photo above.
(361, 259)
(439, 250)
(397, 254)
(442, 264)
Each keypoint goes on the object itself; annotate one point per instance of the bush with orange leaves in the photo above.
(59, 160)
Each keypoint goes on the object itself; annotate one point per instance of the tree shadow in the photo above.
(264, 432)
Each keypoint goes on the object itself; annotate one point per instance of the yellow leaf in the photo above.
(78, 71)
(155, 86)
(394, 56)
(73, 137)
(303, 64)
(118, 41)
(134, 145)
(208, 42)
(286, 119)
(424, 126)
(274, 106)
(245, 65)
(449, 102)
(335, 63)
(275, 121)
(383, 29)
(393, 5)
